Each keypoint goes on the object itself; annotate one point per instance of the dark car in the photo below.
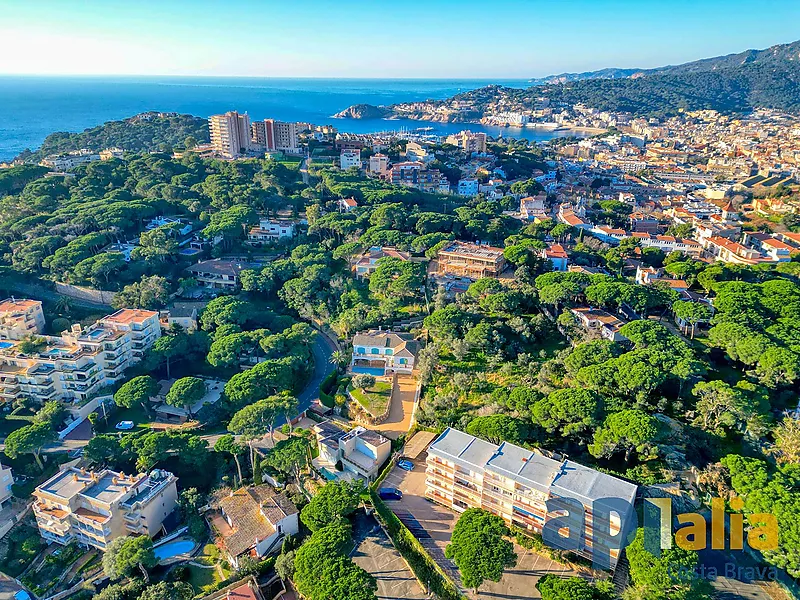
(390, 494)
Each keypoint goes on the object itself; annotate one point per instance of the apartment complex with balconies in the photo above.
(471, 260)
(94, 508)
(20, 318)
(514, 483)
(79, 362)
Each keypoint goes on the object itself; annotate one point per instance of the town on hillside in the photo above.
(274, 360)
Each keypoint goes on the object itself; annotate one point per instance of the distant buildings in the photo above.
(347, 204)
(20, 318)
(594, 319)
(464, 472)
(271, 135)
(380, 352)
(417, 175)
(76, 364)
(350, 158)
(6, 481)
(534, 207)
(468, 141)
(378, 164)
(219, 274)
(253, 522)
(468, 187)
(558, 257)
(96, 507)
(470, 260)
(367, 264)
(230, 134)
(360, 452)
(270, 230)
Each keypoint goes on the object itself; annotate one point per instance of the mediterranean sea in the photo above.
(31, 107)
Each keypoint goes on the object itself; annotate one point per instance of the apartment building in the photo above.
(269, 230)
(79, 362)
(417, 175)
(230, 134)
(271, 135)
(468, 187)
(350, 158)
(96, 507)
(360, 451)
(514, 483)
(468, 141)
(378, 163)
(70, 160)
(470, 260)
(20, 318)
(6, 481)
(534, 207)
(380, 352)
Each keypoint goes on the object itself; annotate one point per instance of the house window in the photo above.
(402, 361)
(375, 350)
(360, 351)
(389, 352)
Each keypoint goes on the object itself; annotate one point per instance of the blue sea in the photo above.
(32, 107)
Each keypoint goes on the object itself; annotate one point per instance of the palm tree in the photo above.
(63, 304)
(338, 358)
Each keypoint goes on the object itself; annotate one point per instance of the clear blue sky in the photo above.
(375, 38)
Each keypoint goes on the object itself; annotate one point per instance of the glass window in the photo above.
(375, 350)
(389, 352)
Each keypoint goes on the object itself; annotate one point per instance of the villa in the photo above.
(253, 522)
(360, 452)
(379, 353)
(368, 263)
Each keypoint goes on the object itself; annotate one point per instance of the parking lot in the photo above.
(432, 524)
(375, 554)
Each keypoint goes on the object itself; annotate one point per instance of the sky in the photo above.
(499, 39)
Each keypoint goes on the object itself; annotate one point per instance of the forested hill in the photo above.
(147, 131)
(734, 83)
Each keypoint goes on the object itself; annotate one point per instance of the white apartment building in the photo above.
(230, 134)
(6, 481)
(70, 160)
(514, 483)
(20, 318)
(468, 141)
(270, 230)
(94, 508)
(79, 362)
(350, 158)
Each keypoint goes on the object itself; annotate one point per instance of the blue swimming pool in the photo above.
(173, 548)
(327, 474)
(4, 345)
(376, 371)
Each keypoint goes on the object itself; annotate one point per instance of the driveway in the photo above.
(375, 554)
(432, 524)
(404, 393)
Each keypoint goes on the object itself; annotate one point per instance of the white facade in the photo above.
(20, 318)
(230, 134)
(350, 158)
(269, 231)
(468, 187)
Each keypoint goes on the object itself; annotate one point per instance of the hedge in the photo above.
(424, 567)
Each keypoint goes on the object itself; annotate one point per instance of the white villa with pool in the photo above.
(382, 353)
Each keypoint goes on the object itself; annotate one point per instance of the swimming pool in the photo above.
(4, 345)
(174, 548)
(327, 474)
(376, 371)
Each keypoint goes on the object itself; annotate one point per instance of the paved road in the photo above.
(322, 349)
(404, 392)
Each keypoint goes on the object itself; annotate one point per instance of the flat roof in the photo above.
(418, 443)
(130, 315)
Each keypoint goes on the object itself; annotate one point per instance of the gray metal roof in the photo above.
(528, 468)
(585, 484)
(463, 449)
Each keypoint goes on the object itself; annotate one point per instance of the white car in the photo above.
(124, 425)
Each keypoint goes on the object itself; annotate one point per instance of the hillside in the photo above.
(733, 83)
(147, 131)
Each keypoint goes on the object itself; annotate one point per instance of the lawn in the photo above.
(135, 413)
(201, 578)
(375, 400)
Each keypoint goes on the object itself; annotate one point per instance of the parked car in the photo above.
(390, 494)
(124, 425)
(405, 464)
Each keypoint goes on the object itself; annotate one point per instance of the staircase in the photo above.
(620, 578)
